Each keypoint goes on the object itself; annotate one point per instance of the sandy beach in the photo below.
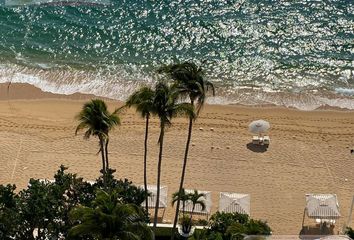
(309, 152)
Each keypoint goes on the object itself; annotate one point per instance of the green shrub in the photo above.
(234, 226)
(45, 206)
(349, 232)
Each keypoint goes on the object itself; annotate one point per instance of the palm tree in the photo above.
(98, 121)
(166, 107)
(108, 218)
(190, 82)
(143, 101)
(197, 199)
(184, 197)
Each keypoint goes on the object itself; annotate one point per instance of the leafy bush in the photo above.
(201, 222)
(8, 220)
(219, 222)
(45, 205)
(232, 226)
(349, 232)
(109, 218)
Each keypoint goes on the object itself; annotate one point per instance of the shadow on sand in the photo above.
(257, 148)
(315, 232)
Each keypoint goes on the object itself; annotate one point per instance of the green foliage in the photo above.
(190, 81)
(349, 232)
(109, 218)
(96, 119)
(186, 223)
(201, 222)
(167, 106)
(8, 214)
(184, 197)
(143, 101)
(257, 227)
(45, 205)
(233, 226)
(219, 222)
(125, 189)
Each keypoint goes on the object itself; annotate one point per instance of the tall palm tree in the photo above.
(143, 101)
(191, 83)
(108, 219)
(98, 121)
(166, 107)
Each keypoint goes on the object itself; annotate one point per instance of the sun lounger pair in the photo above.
(261, 140)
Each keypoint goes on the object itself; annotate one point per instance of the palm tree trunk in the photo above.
(192, 211)
(182, 177)
(106, 153)
(145, 162)
(162, 133)
(103, 159)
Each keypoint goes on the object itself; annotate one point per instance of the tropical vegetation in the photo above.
(109, 218)
(42, 210)
(349, 232)
(232, 226)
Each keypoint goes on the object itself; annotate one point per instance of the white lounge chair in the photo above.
(255, 140)
(266, 140)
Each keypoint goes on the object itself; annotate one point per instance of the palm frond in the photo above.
(142, 100)
(190, 81)
(184, 109)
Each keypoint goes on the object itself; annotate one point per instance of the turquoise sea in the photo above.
(291, 53)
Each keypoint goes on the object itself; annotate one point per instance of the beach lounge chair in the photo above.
(266, 140)
(255, 140)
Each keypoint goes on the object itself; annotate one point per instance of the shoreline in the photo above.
(309, 152)
(26, 91)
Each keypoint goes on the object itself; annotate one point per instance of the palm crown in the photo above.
(143, 100)
(96, 118)
(108, 218)
(190, 81)
(167, 106)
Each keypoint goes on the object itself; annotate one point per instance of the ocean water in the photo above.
(292, 53)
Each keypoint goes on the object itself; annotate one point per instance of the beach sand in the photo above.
(309, 152)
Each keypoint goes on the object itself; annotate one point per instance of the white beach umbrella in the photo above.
(152, 189)
(234, 202)
(259, 126)
(322, 206)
